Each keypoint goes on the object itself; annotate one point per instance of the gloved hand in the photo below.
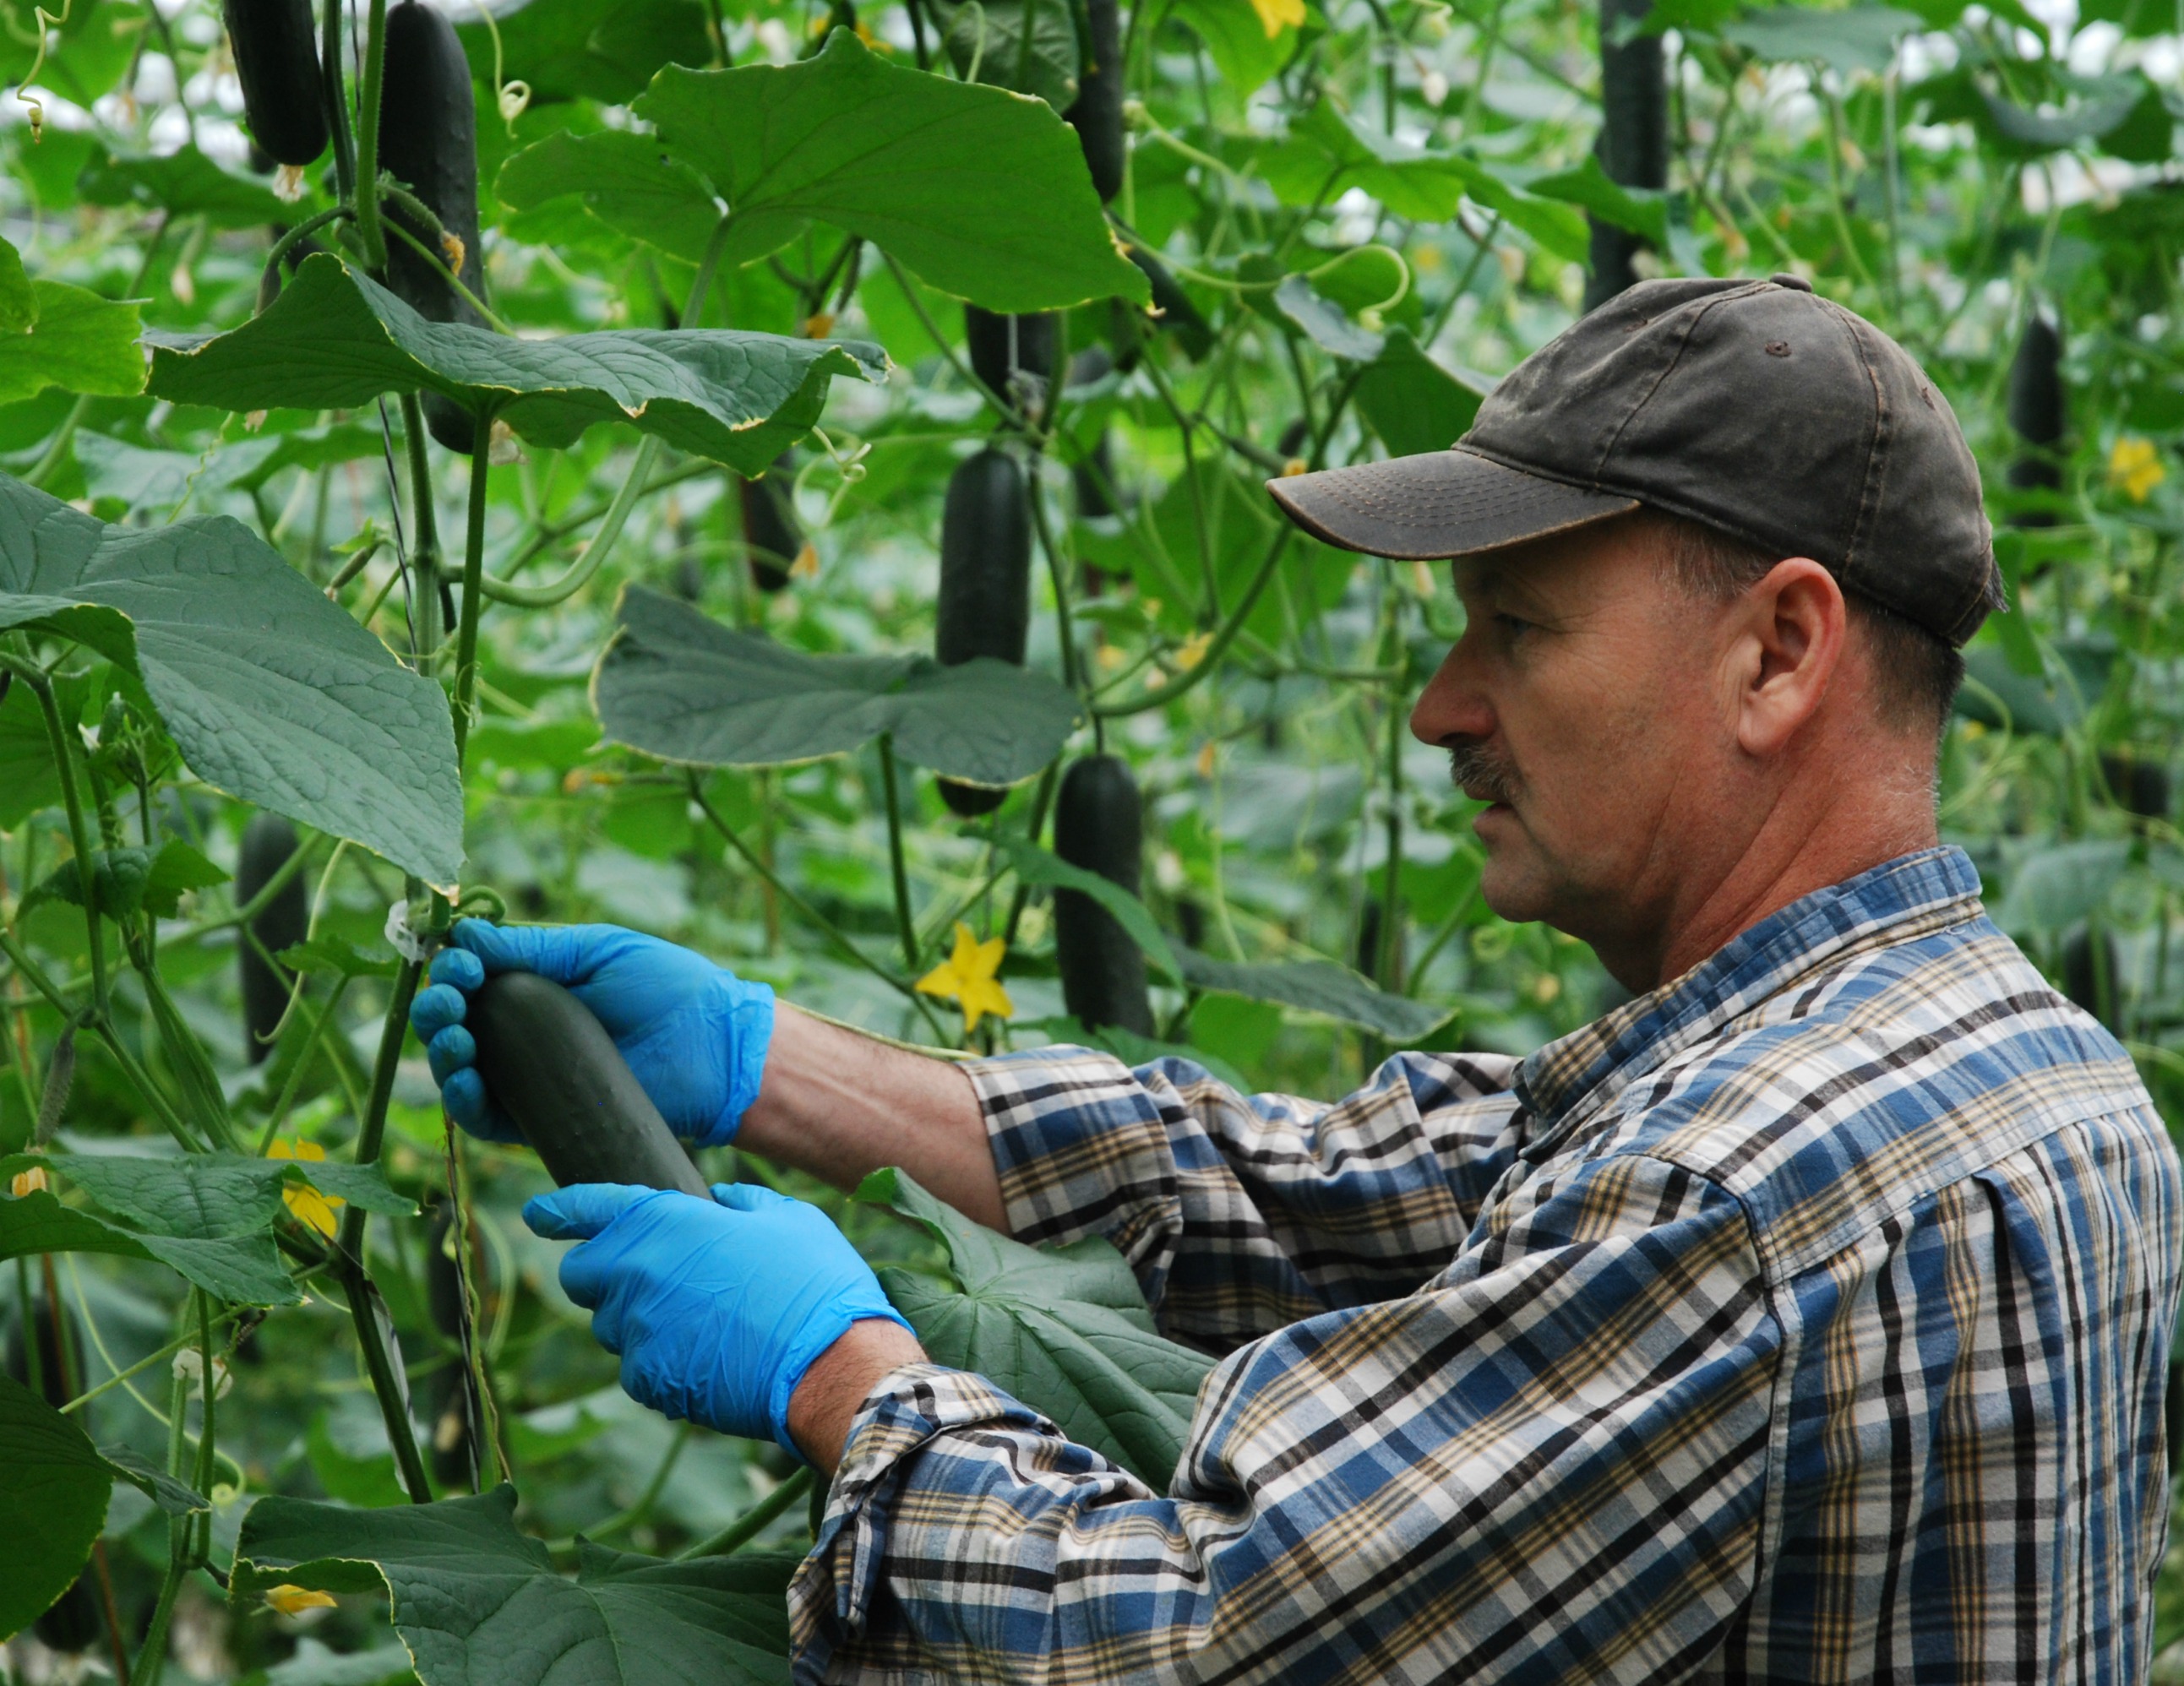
(717, 1308)
(695, 1033)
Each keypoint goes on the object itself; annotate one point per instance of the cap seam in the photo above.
(1689, 328)
(1873, 481)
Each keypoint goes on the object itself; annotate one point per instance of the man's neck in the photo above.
(1810, 840)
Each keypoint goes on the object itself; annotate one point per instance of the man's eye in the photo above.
(1512, 624)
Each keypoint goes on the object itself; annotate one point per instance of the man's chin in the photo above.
(1511, 882)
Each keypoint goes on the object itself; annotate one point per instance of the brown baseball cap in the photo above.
(1756, 407)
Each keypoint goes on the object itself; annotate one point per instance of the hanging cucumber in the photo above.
(2138, 781)
(984, 607)
(1177, 314)
(1002, 347)
(277, 60)
(2039, 414)
(2092, 973)
(773, 538)
(454, 1458)
(268, 841)
(1099, 825)
(1093, 476)
(555, 1071)
(428, 140)
(1634, 137)
(1096, 114)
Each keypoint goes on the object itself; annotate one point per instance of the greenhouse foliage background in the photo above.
(1359, 213)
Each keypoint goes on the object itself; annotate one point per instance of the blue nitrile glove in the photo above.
(718, 1307)
(695, 1033)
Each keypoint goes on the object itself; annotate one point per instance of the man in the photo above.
(1805, 1318)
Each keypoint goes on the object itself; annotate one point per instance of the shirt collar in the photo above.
(1785, 946)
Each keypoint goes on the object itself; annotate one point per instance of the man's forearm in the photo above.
(840, 1105)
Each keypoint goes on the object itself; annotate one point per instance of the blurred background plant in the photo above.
(1352, 216)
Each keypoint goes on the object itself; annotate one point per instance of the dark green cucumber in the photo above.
(1096, 114)
(984, 607)
(2038, 406)
(773, 538)
(1094, 477)
(1634, 136)
(1099, 825)
(553, 1068)
(2138, 781)
(268, 841)
(2092, 974)
(1178, 316)
(428, 140)
(277, 60)
(1003, 347)
(453, 1457)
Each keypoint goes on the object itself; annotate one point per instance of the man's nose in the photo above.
(1453, 706)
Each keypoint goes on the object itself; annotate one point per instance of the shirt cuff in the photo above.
(837, 1587)
(1081, 1149)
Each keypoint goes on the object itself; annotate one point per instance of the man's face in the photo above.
(1583, 704)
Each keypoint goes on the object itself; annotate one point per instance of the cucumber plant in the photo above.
(378, 557)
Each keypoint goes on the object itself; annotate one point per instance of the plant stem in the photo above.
(587, 563)
(86, 862)
(152, 1655)
(1222, 639)
(753, 1522)
(466, 631)
(1058, 574)
(369, 233)
(904, 923)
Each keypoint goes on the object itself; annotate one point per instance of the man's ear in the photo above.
(1791, 642)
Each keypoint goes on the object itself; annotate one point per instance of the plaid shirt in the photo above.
(1807, 1319)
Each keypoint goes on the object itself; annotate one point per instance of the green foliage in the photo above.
(548, 682)
(687, 690)
(336, 339)
(51, 1505)
(1065, 1327)
(983, 195)
(476, 1601)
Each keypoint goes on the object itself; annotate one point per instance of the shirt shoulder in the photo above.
(1847, 1100)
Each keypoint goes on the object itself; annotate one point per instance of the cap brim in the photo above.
(1437, 505)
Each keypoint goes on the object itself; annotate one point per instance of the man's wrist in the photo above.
(826, 1402)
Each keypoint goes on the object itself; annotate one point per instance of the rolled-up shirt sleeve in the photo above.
(1548, 1464)
(1241, 1214)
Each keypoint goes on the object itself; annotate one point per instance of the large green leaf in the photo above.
(1065, 1329)
(79, 341)
(212, 1226)
(183, 183)
(1587, 185)
(270, 692)
(336, 339)
(1856, 38)
(1324, 155)
(119, 475)
(989, 34)
(1236, 36)
(1318, 986)
(480, 1605)
(624, 179)
(687, 689)
(984, 193)
(52, 1504)
(1410, 401)
(591, 49)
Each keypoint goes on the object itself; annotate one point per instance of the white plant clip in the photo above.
(403, 938)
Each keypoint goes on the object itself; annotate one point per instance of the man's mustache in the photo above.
(1483, 772)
